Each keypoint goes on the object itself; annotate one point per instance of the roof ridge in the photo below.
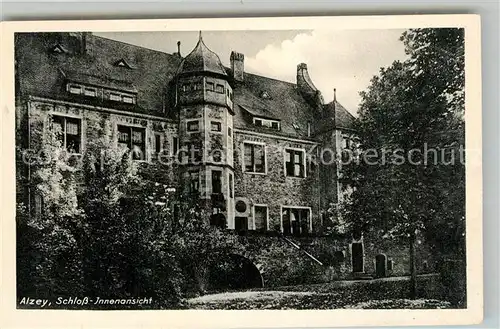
(133, 45)
(270, 78)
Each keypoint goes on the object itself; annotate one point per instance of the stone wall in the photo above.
(273, 188)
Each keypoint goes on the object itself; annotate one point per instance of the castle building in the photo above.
(248, 145)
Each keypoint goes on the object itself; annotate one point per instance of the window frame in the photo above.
(131, 143)
(117, 96)
(210, 86)
(72, 87)
(230, 184)
(158, 142)
(310, 226)
(304, 162)
(212, 172)
(192, 122)
(175, 145)
(79, 121)
(191, 175)
(254, 143)
(219, 88)
(92, 91)
(267, 123)
(218, 123)
(267, 216)
(132, 99)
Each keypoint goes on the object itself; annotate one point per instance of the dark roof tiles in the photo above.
(201, 59)
(44, 73)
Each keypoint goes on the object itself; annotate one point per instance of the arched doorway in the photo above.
(234, 272)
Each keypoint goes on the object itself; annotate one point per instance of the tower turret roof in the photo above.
(201, 60)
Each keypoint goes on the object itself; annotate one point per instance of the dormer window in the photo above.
(58, 49)
(115, 97)
(268, 123)
(128, 99)
(119, 97)
(91, 92)
(265, 95)
(122, 63)
(75, 89)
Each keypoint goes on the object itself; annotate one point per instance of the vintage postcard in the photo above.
(176, 169)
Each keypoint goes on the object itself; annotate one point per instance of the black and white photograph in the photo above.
(243, 169)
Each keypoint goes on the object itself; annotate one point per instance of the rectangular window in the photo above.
(275, 125)
(175, 145)
(115, 97)
(258, 122)
(128, 99)
(193, 126)
(260, 218)
(90, 92)
(158, 145)
(220, 89)
(254, 158)
(185, 87)
(216, 181)
(229, 131)
(194, 182)
(210, 86)
(69, 132)
(134, 139)
(296, 221)
(230, 182)
(215, 126)
(294, 163)
(74, 89)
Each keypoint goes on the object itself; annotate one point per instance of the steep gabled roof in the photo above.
(343, 118)
(282, 102)
(42, 73)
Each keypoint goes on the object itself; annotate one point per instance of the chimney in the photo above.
(80, 43)
(179, 48)
(237, 65)
(306, 87)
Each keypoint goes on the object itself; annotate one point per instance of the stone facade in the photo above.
(257, 141)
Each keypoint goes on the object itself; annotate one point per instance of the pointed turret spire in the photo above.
(202, 59)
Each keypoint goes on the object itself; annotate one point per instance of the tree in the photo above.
(400, 190)
(129, 249)
(48, 239)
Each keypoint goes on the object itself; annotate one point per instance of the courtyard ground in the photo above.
(378, 293)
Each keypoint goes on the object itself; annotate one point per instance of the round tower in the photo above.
(205, 106)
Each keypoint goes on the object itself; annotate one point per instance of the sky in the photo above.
(341, 59)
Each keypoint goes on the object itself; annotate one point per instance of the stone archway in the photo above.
(234, 272)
